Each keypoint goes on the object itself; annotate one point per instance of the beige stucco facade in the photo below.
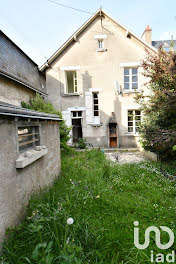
(101, 72)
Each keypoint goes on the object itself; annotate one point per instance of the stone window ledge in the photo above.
(71, 94)
(101, 50)
(126, 91)
(131, 135)
(30, 156)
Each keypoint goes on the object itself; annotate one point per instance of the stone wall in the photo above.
(17, 185)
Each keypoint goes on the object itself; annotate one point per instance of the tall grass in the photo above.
(104, 200)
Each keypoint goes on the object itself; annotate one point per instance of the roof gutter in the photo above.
(9, 110)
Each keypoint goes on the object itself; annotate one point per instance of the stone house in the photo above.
(29, 140)
(93, 79)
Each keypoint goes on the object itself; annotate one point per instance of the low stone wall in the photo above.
(17, 184)
(150, 155)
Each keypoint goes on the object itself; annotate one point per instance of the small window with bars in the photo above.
(134, 121)
(95, 104)
(28, 137)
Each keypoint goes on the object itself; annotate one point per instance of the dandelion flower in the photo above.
(70, 221)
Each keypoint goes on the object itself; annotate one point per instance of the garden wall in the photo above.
(28, 161)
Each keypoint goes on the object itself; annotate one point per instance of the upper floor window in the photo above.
(134, 120)
(95, 104)
(130, 78)
(71, 82)
(100, 44)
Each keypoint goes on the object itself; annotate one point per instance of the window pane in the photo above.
(95, 101)
(134, 70)
(134, 86)
(134, 78)
(95, 107)
(137, 112)
(74, 114)
(79, 113)
(130, 118)
(70, 83)
(96, 113)
(130, 113)
(130, 129)
(126, 71)
(95, 95)
(126, 78)
(130, 123)
(126, 85)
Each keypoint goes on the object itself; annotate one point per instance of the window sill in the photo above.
(101, 50)
(131, 91)
(131, 134)
(29, 157)
(96, 125)
(70, 94)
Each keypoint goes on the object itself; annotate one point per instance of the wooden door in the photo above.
(113, 135)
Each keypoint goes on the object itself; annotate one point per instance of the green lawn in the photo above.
(104, 201)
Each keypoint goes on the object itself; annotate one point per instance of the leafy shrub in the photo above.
(158, 130)
(82, 143)
(38, 104)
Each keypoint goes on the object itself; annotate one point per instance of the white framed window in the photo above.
(95, 105)
(100, 44)
(130, 78)
(134, 121)
(71, 81)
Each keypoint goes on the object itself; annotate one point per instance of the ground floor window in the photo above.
(95, 104)
(28, 137)
(134, 120)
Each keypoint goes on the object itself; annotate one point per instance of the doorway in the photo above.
(113, 135)
(76, 125)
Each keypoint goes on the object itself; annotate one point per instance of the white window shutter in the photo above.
(89, 106)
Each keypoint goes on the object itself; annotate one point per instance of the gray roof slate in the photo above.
(16, 64)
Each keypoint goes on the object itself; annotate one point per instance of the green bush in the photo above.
(158, 130)
(82, 143)
(38, 104)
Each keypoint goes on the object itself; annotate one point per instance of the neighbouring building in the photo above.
(29, 140)
(20, 78)
(93, 79)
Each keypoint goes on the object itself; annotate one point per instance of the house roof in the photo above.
(98, 13)
(17, 66)
(164, 44)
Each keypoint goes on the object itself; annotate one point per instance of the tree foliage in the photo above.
(38, 104)
(158, 130)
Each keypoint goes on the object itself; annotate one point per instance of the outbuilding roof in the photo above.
(16, 65)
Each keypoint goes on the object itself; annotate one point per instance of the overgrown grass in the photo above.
(104, 201)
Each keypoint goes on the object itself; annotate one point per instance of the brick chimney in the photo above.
(147, 35)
